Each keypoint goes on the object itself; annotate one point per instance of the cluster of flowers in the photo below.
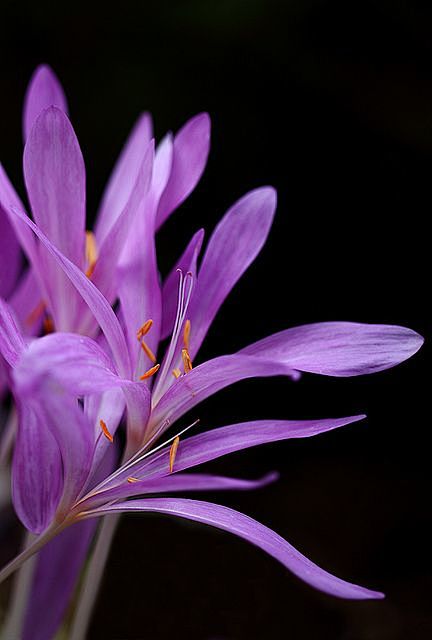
(91, 341)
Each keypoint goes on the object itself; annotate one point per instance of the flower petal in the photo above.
(56, 575)
(44, 90)
(191, 147)
(186, 262)
(216, 443)
(124, 176)
(55, 180)
(11, 341)
(339, 348)
(11, 256)
(226, 258)
(176, 482)
(252, 531)
(208, 378)
(98, 305)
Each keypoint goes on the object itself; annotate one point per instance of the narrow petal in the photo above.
(55, 179)
(186, 263)
(235, 243)
(176, 483)
(252, 531)
(11, 340)
(98, 305)
(37, 475)
(124, 176)
(208, 378)
(216, 443)
(56, 575)
(25, 299)
(191, 147)
(339, 348)
(10, 253)
(44, 90)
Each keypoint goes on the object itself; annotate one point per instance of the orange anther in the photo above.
(91, 253)
(150, 372)
(131, 480)
(187, 362)
(173, 453)
(144, 329)
(186, 334)
(176, 373)
(106, 433)
(48, 324)
(149, 353)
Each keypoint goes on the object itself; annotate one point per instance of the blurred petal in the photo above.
(338, 348)
(8, 199)
(57, 571)
(252, 531)
(55, 180)
(24, 300)
(44, 90)
(10, 253)
(124, 176)
(11, 341)
(98, 305)
(234, 244)
(191, 147)
(186, 262)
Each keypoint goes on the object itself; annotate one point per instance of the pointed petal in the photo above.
(98, 305)
(208, 378)
(226, 258)
(339, 348)
(252, 531)
(124, 176)
(11, 340)
(10, 253)
(176, 482)
(216, 443)
(191, 147)
(37, 475)
(44, 90)
(186, 262)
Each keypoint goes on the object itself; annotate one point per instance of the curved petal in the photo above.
(10, 253)
(216, 443)
(339, 348)
(124, 176)
(44, 90)
(98, 305)
(186, 262)
(11, 341)
(252, 531)
(235, 243)
(208, 378)
(191, 147)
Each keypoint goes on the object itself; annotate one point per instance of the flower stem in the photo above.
(13, 623)
(93, 578)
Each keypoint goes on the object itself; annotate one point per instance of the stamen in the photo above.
(106, 433)
(131, 480)
(150, 372)
(173, 453)
(35, 314)
(48, 324)
(176, 373)
(144, 329)
(149, 353)
(187, 362)
(91, 253)
(186, 334)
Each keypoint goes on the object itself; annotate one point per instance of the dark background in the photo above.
(330, 102)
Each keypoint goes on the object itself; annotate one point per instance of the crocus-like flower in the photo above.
(70, 390)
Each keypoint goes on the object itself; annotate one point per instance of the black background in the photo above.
(330, 102)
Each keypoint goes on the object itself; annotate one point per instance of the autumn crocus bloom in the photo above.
(49, 375)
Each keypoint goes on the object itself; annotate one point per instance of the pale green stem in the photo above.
(13, 623)
(93, 578)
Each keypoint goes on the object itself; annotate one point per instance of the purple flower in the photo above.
(71, 387)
